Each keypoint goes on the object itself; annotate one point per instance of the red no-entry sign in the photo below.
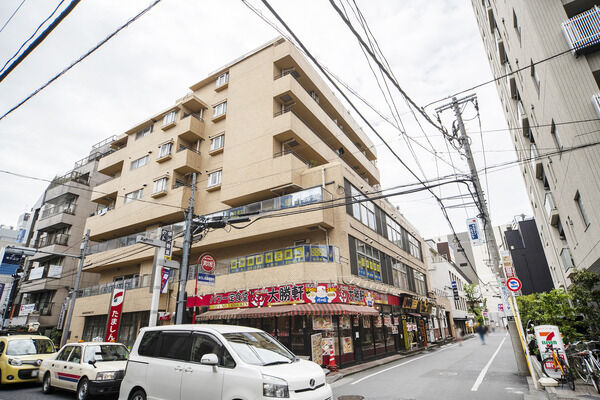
(513, 284)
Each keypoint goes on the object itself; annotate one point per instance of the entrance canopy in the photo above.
(287, 310)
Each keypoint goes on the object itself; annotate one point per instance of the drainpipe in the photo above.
(323, 177)
(326, 234)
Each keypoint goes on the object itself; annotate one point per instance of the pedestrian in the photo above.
(480, 329)
(459, 336)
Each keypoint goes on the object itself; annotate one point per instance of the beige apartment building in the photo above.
(267, 137)
(551, 108)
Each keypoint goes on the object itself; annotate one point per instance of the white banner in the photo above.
(55, 271)
(36, 273)
(474, 232)
(26, 309)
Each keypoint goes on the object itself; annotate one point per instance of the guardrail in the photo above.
(582, 30)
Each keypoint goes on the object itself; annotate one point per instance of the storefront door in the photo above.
(356, 338)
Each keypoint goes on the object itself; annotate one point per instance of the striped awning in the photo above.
(282, 311)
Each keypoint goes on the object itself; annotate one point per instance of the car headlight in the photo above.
(106, 376)
(15, 361)
(275, 387)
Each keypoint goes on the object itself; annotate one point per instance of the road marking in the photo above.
(399, 365)
(487, 366)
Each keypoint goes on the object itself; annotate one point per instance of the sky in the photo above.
(433, 48)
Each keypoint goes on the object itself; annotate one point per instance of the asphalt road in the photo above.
(470, 371)
(31, 391)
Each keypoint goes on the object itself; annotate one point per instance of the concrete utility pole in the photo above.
(187, 244)
(83, 248)
(465, 143)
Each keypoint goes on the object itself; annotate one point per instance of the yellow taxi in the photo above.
(22, 355)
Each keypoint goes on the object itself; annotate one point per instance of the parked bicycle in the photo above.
(555, 362)
(584, 360)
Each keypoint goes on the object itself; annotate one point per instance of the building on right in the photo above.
(552, 107)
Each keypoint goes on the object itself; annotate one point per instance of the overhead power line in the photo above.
(11, 16)
(7, 70)
(93, 49)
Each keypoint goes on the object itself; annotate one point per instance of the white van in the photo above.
(211, 362)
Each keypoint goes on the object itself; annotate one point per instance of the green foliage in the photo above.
(586, 299)
(551, 308)
(55, 335)
(474, 302)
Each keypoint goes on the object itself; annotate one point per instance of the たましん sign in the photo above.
(114, 315)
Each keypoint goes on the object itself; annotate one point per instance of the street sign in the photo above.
(513, 284)
(168, 263)
(501, 307)
(147, 240)
(207, 262)
(207, 279)
(510, 271)
(167, 237)
(455, 290)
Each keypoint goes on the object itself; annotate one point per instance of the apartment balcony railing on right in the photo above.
(583, 31)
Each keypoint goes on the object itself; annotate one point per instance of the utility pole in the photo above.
(187, 244)
(83, 248)
(465, 143)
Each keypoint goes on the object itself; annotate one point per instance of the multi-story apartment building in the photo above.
(552, 107)
(266, 137)
(58, 227)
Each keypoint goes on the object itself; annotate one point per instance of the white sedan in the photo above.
(89, 368)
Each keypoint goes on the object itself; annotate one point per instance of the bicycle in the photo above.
(586, 365)
(556, 362)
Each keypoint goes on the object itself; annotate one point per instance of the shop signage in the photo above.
(275, 258)
(510, 272)
(321, 294)
(55, 271)
(347, 346)
(36, 273)
(513, 284)
(114, 315)
(206, 279)
(9, 262)
(26, 309)
(164, 316)
(500, 307)
(167, 237)
(474, 232)
(322, 322)
(455, 290)
(546, 335)
(316, 350)
(164, 279)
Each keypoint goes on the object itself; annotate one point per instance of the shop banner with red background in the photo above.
(321, 293)
(114, 315)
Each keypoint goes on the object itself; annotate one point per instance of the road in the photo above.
(31, 391)
(470, 371)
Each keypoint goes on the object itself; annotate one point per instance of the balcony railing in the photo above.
(72, 176)
(127, 284)
(274, 258)
(286, 152)
(596, 102)
(583, 30)
(44, 308)
(60, 239)
(58, 209)
(130, 240)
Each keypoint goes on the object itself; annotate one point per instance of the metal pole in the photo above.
(159, 252)
(84, 244)
(485, 214)
(187, 244)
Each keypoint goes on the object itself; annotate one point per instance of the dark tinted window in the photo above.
(204, 344)
(76, 355)
(64, 354)
(149, 344)
(175, 345)
(2, 346)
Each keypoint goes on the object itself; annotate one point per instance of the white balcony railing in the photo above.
(596, 102)
(583, 30)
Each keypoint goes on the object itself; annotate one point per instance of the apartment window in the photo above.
(534, 76)
(555, 136)
(217, 143)
(420, 285)
(169, 118)
(400, 275)
(223, 79)
(143, 132)
(131, 196)
(414, 246)
(160, 185)
(516, 25)
(214, 178)
(140, 162)
(394, 231)
(165, 150)
(580, 206)
(364, 211)
(368, 262)
(220, 109)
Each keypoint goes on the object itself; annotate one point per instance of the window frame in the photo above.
(582, 212)
(221, 142)
(220, 109)
(139, 195)
(218, 173)
(135, 164)
(222, 79)
(170, 118)
(165, 185)
(168, 145)
(142, 133)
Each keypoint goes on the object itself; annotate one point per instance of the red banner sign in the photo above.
(292, 294)
(114, 315)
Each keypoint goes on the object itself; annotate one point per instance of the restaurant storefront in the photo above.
(309, 319)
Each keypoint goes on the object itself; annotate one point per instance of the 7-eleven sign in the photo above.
(549, 335)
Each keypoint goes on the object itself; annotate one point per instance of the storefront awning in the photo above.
(287, 310)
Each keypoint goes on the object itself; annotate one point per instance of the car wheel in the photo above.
(138, 395)
(82, 389)
(46, 385)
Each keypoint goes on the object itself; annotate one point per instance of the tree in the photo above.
(585, 294)
(474, 302)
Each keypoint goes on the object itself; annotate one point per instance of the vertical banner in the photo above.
(114, 315)
(164, 279)
(474, 232)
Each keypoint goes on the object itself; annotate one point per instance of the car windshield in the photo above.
(258, 348)
(23, 347)
(105, 352)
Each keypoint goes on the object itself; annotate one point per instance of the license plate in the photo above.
(34, 373)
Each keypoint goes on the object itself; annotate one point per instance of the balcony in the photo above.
(127, 284)
(190, 129)
(551, 210)
(596, 103)
(58, 216)
(67, 208)
(582, 32)
(522, 119)
(60, 239)
(111, 164)
(106, 192)
(186, 161)
(567, 258)
(536, 161)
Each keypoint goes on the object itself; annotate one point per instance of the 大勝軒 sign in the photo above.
(114, 315)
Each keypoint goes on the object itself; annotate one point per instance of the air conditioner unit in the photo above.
(102, 211)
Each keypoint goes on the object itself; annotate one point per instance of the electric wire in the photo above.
(11, 16)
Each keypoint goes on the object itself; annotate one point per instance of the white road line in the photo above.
(399, 365)
(487, 366)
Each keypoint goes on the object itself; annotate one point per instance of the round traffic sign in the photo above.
(513, 284)
(208, 262)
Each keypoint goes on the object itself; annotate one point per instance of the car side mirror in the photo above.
(209, 359)
(92, 363)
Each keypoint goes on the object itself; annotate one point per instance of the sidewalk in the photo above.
(560, 392)
(336, 376)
